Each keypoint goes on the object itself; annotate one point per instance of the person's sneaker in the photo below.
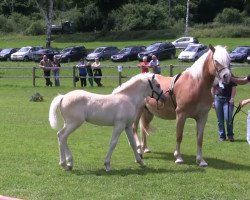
(222, 139)
(231, 139)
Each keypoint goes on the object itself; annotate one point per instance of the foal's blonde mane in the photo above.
(132, 81)
(220, 55)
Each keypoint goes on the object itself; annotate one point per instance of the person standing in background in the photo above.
(56, 71)
(45, 65)
(144, 65)
(96, 66)
(155, 64)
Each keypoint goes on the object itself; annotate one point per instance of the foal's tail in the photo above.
(52, 111)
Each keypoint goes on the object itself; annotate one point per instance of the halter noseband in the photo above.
(153, 91)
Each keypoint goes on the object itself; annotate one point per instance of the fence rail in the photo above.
(119, 74)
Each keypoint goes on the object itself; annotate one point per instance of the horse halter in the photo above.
(153, 91)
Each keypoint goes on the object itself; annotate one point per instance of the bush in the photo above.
(229, 16)
(36, 28)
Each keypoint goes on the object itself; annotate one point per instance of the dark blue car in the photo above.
(240, 54)
(128, 53)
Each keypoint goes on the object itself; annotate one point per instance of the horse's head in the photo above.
(157, 92)
(221, 61)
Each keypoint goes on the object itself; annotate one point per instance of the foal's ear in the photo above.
(212, 48)
(153, 77)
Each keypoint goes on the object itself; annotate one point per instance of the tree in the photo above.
(46, 8)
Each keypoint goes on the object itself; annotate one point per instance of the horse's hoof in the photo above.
(202, 163)
(147, 150)
(179, 161)
(107, 167)
(141, 162)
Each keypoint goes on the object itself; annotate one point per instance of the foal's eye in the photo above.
(157, 85)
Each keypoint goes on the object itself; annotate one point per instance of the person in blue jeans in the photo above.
(82, 72)
(224, 105)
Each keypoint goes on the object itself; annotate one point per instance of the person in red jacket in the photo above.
(144, 65)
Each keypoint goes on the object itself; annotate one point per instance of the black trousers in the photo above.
(47, 78)
(97, 72)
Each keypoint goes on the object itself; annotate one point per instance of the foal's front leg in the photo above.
(115, 136)
(129, 132)
(180, 121)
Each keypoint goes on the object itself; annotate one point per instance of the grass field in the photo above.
(29, 151)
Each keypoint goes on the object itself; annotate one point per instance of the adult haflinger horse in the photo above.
(188, 96)
(117, 109)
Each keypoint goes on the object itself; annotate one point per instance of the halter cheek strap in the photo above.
(155, 92)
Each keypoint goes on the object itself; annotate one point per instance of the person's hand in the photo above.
(231, 101)
(213, 105)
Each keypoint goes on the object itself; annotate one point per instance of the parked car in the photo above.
(102, 53)
(183, 42)
(37, 55)
(25, 53)
(74, 53)
(248, 59)
(240, 54)
(6, 53)
(161, 50)
(192, 52)
(128, 53)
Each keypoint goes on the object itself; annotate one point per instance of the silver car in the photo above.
(183, 42)
(192, 52)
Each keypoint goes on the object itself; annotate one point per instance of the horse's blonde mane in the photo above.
(220, 55)
(142, 76)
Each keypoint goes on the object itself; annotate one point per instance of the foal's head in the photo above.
(221, 62)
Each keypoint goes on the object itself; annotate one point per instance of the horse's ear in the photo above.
(212, 48)
(153, 77)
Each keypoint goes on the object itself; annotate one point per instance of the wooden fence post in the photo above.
(34, 76)
(171, 67)
(74, 76)
(119, 68)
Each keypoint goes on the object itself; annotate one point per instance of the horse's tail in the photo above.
(53, 111)
(145, 120)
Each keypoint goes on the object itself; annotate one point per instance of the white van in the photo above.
(25, 53)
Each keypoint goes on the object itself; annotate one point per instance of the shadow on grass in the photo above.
(191, 160)
(138, 171)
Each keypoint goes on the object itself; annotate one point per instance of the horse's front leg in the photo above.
(129, 132)
(115, 136)
(200, 123)
(180, 121)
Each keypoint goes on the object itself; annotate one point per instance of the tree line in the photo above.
(34, 16)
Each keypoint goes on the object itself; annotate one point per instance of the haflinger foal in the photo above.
(188, 96)
(117, 109)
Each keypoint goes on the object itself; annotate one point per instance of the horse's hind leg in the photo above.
(129, 133)
(145, 120)
(117, 130)
(180, 121)
(135, 130)
(66, 158)
(200, 123)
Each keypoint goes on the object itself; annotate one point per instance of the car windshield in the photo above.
(98, 50)
(240, 50)
(5, 50)
(153, 47)
(66, 50)
(192, 48)
(125, 50)
(24, 49)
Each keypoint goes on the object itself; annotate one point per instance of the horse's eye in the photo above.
(158, 85)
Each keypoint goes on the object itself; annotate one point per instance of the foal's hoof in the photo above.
(107, 167)
(202, 163)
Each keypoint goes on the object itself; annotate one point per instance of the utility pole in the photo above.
(187, 18)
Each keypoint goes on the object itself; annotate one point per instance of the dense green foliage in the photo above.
(123, 15)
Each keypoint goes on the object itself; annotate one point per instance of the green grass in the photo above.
(29, 151)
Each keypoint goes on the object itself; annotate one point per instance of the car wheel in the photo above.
(26, 58)
(171, 56)
(8, 59)
(101, 59)
(127, 59)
